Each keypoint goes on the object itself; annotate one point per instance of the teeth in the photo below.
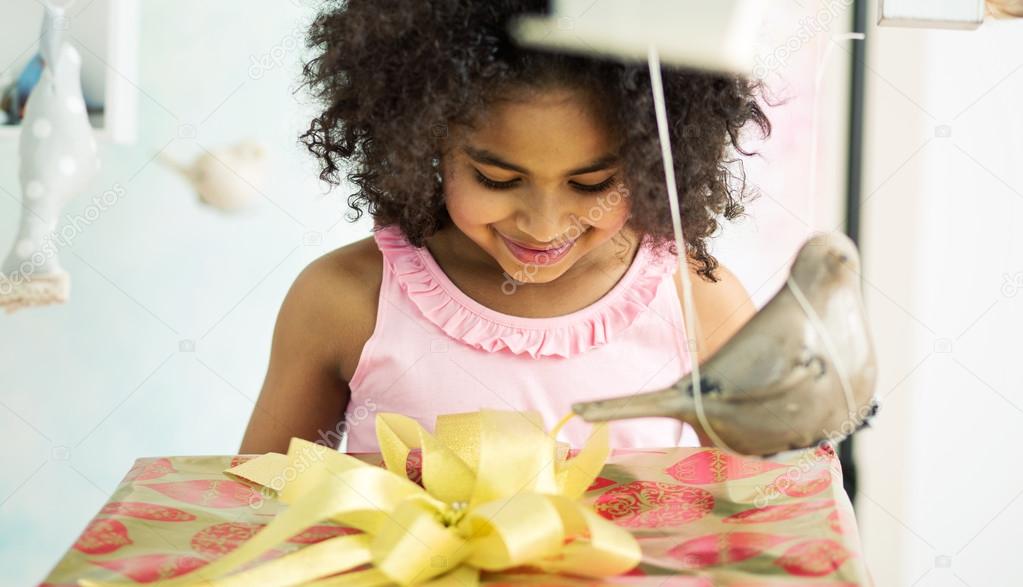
(529, 254)
(552, 250)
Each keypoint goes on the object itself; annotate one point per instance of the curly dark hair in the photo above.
(393, 75)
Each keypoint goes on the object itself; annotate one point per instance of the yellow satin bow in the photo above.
(498, 495)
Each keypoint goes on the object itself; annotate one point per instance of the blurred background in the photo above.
(162, 346)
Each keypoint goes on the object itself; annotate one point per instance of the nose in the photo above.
(546, 219)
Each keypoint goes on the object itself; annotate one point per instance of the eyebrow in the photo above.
(488, 158)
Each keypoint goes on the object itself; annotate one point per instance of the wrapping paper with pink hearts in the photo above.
(703, 518)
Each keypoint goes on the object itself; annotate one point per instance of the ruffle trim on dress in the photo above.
(466, 320)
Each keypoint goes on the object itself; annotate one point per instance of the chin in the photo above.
(527, 274)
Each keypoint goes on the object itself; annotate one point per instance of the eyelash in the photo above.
(507, 185)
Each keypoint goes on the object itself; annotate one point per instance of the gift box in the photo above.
(701, 517)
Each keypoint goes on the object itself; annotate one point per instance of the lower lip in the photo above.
(535, 257)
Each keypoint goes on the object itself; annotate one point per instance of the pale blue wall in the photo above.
(101, 378)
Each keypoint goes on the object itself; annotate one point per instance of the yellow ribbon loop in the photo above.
(497, 494)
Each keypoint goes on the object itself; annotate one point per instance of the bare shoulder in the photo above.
(722, 307)
(347, 267)
(321, 328)
(334, 300)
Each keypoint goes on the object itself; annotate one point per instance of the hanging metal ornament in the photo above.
(801, 371)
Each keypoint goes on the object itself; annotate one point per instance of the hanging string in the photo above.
(829, 345)
(692, 327)
(820, 68)
(691, 320)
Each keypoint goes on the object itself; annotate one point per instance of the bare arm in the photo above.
(303, 393)
(722, 308)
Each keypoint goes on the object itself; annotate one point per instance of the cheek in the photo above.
(609, 212)
(468, 204)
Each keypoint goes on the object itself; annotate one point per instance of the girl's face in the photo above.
(536, 185)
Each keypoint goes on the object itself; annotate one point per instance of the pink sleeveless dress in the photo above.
(435, 350)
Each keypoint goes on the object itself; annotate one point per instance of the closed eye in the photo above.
(595, 188)
(494, 184)
(507, 185)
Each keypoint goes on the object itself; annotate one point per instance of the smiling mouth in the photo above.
(537, 256)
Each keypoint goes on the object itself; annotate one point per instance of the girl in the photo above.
(522, 256)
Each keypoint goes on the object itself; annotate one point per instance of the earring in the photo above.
(435, 162)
